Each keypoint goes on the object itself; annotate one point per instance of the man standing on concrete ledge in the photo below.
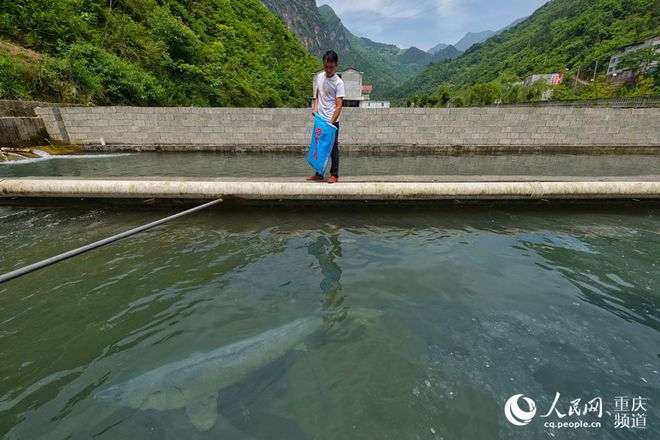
(328, 104)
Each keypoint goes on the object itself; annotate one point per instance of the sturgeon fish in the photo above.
(193, 383)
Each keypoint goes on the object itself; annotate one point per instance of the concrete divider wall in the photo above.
(22, 132)
(16, 108)
(462, 127)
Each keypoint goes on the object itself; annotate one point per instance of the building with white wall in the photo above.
(355, 96)
(374, 104)
(618, 74)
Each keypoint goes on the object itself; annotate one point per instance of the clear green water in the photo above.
(477, 305)
(285, 164)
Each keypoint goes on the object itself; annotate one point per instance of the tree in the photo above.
(458, 101)
(537, 89)
(152, 52)
(561, 33)
(484, 94)
(442, 95)
(640, 60)
(644, 87)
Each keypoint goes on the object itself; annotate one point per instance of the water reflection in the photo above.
(326, 249)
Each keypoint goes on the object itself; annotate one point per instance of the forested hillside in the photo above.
(385, 66)
(303, 18)
(151, 52)
(561, 36)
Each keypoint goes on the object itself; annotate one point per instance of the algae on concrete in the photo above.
(57, 150)
(11, 154)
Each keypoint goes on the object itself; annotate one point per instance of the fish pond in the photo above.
(204, 164)
(328, 324)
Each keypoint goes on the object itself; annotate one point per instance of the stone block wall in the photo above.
(393, 127)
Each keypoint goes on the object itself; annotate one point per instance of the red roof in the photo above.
(367, 88)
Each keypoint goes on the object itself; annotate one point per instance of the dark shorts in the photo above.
(334, 155)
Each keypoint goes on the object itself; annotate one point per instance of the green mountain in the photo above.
(448, 53)
(468, 40)
(514, 24)
(472, 38)
(302, 17)
(385, 66)
(151, 52)
(438, 47)
(561, 35)
(414, 55)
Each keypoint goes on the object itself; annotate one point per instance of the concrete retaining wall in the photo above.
(22, 132)
(16, 108)
(267, 128)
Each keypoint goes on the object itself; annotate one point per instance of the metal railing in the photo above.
(641, 102)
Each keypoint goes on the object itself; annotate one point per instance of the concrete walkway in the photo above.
(392, 188)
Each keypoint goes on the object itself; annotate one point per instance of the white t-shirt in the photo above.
(329, 89)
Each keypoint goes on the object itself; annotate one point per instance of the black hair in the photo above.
(331, 57)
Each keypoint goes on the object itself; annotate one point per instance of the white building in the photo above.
(551, 79)
(616, 74)
(375, 104)
(353, 83)
(355, 96)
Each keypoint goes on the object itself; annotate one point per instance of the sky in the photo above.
(425, 23)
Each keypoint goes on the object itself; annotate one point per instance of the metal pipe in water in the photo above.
(89, 247)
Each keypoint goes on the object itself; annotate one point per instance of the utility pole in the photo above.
(576, 77)
(595, 70)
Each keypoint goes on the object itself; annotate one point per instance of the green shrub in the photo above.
(109, 80)
(13, 83)
(155, 52)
